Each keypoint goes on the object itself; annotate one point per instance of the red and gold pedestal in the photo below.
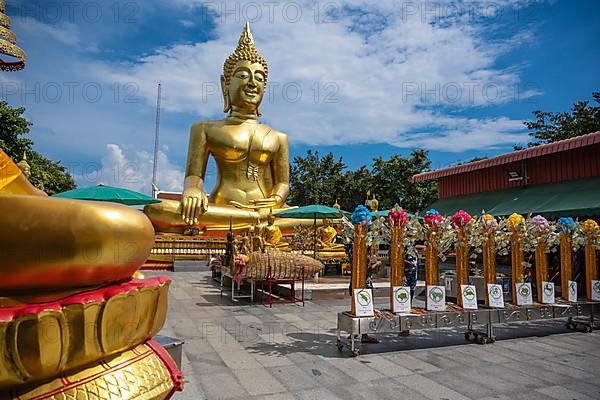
(359, 261)
(92, 343)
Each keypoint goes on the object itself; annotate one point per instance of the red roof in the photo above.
(537, 151)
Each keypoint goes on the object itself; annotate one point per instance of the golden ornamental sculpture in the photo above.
(8, 44)
(68, 265)
(252, 158)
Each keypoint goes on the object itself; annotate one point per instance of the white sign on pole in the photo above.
(572, 291)
(402, 300)
(469, 297)
(363, 302)
(596, 290)
(548, 293)
(524, 295)
(495, 295)
(436, 298)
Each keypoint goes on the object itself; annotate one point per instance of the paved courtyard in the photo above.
(248, 351)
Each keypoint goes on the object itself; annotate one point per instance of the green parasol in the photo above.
(108, 193)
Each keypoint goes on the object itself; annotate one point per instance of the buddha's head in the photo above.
(326, 223)
(244, 77)
(270, 219)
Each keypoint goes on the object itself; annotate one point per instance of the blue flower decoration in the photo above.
(566, 224)
(432, 211)
(360, 214)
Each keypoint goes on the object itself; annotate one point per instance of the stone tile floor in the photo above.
(248, 351)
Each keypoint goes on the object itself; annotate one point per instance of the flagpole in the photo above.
(156, 133)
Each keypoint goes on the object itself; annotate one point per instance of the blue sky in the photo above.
(358, 78)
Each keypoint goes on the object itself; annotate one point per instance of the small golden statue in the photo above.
(272, 235)
(374, 204)
(326, 236)
(252, 158)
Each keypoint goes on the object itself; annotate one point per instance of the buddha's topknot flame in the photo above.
(246, 51)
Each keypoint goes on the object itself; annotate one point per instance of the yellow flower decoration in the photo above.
(515, 222)
(488, 217)
(590, 226)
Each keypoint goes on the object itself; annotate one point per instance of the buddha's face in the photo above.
(270, 220)
(247, 85)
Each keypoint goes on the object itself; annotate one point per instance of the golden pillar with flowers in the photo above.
(540, 227)
(361, 219)
(488, 226)
(460, 221)
(591, 232)
(433, 220)
(397, 219)
(516, 225)
(566, 226)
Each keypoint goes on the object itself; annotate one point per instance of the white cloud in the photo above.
(377, 75)
(66, 33)
(133, 172)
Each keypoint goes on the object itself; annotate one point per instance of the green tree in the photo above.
(354, 187)
(323, 180)
(548, 127)
(315, 179)
(392, 181)
(45, 173)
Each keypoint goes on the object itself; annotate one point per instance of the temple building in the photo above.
(555, 179)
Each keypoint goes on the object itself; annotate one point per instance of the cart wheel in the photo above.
(481, 340)
(587, 329)
(491, 340)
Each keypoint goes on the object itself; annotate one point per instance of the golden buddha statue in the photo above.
(272, 235)
(252, 158)
(326, 235)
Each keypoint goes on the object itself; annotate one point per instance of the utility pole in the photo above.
(156, 133)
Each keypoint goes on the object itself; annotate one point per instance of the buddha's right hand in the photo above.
(194, 203)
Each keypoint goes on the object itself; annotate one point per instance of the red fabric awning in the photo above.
(537, 151)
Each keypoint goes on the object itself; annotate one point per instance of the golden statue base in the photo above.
(50, 340)
(144, 373)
